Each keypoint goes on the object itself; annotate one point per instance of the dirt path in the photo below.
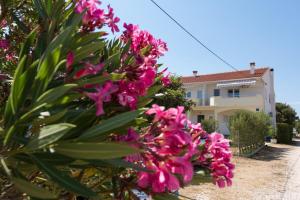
(273, 174)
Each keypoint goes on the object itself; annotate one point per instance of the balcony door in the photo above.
(200, 97)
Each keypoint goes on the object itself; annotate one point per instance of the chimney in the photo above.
(195, 72)
(252, 68)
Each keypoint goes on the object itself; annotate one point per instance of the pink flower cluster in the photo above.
(96, 17)
(139, 76)
(217, 156)
(169, 149)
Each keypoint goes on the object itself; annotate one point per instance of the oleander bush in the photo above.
(79, 122)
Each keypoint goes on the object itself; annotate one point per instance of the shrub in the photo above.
(78, 120)
(248, 128)
(284, 133)
(209, 125)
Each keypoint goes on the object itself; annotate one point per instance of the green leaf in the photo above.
(18, 85)
(52, 118)
(38, 5)
(47, 69)
(49, 134)
(28, 43)
(87, 50)
(55, 93)
(87, 38)
(32, 190)
(63, 179)
(94, 80)
(97, 151)
(110, 124)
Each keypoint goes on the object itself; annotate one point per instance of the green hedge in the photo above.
(249, 128)
(284, 133)
(209, 125)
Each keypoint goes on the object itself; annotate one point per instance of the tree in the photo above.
(76, 122)
(173, 95)
(297, 126)
(285, 114)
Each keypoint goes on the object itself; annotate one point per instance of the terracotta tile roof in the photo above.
(224, 76)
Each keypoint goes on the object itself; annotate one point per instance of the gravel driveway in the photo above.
(272, 174)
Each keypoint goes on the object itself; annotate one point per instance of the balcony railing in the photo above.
(245, 100)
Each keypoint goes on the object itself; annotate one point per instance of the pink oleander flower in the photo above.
(160, 181)
(167, 150)
(89, 69)
(4, 44)
(95, 17)
(70, 60)
(102, 94)
(170, 146)
(141, 39)
(112, 20)
(218, 158)
(166, 80)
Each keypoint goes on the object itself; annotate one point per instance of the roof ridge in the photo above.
(221, 73)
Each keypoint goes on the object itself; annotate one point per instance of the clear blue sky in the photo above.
(266, 32)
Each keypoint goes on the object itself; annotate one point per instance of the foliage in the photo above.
(77, 120)
(16, 20)
(209, 125)
(284, 133)
(297, 126)
(248, 127)
(285, 114)
(173, 95)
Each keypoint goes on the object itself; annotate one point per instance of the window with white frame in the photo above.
(233, 93)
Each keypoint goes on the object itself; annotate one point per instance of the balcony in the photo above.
(201, 102)
(242, 101)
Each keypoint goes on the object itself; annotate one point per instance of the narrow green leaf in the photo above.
(93, 80)
(63, 179)
(18, 85)
(28, 43)
(88, 38)
(47, 69)
(49, 134)
(97, 151)
(53, 118)
(110, 124)
(40, 8)
(54, 93)
(32, 190)
(87, 50)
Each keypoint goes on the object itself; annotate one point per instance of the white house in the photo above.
(217, 96)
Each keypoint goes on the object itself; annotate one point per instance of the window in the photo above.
(188, 94)
(233, 93)
(199, 94)
(216, 92)
(257, 109)
(200, 118)
(236, 93)
(230, 93)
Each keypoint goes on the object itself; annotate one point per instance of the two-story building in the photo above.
(217, 96)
